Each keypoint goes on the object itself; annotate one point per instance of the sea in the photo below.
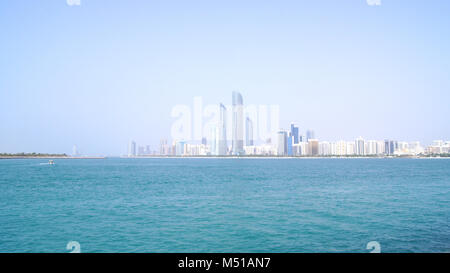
(175, 205)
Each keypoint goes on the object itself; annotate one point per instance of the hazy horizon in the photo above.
(104, 72)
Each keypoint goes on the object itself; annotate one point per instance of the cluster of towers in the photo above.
(290, 141)
(219, 134)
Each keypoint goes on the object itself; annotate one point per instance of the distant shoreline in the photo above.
(225, 157)
(51, 157)
(288, 157)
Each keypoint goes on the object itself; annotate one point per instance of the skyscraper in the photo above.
(75, 151)
(163, 147)
(310, 135)
(371, 147)
(325, 148)
(294, 133)
(131, 149)
(389, 146)
(214, 140)
(222, 131)
(238, 124)
(360, 146)
(289, 143)
(302, 138)
(386, 146)
(313, 147)
(180, 148)
(141, 151)
(282, 143)
(248, 132)
(393, 146)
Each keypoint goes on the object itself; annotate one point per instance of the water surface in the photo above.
(225, 205)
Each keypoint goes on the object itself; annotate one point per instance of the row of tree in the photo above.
(29, 155)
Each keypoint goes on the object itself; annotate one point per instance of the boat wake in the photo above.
(50, 162)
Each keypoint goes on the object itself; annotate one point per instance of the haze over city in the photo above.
(103, 72)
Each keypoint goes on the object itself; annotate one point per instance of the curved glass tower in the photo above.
(248, 132)
(222, 131)
(238, 125)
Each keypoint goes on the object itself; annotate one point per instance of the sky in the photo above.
(106, 71)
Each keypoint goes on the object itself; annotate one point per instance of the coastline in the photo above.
(225, 157)
(284, 157)
(51, 157)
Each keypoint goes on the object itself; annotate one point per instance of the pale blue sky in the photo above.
(106, 71)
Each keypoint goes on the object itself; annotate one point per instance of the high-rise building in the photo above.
(75, 151)
(131, 149)
(341, 148)
(248, 132)
(371, 147)
(313, 146)
(289, 143)
(333, 148)
(360, 146)
(180, 148)
(310, 135)
(163, 147)
(390, 146)
(415, 148)
(380, 147)
(173, 148)
(294, 133)
(386, 147)
(403, 148)
(222, 131)
(300, 149)
(238, 124)
(141, 151)
(282, 143)
(302, 138)
(350, 148)
(214, 140)
(324, 148)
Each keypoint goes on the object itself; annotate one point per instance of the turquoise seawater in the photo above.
(225, 205)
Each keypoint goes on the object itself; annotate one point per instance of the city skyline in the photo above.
(343, 69)
(293, 142)
(285, 147)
